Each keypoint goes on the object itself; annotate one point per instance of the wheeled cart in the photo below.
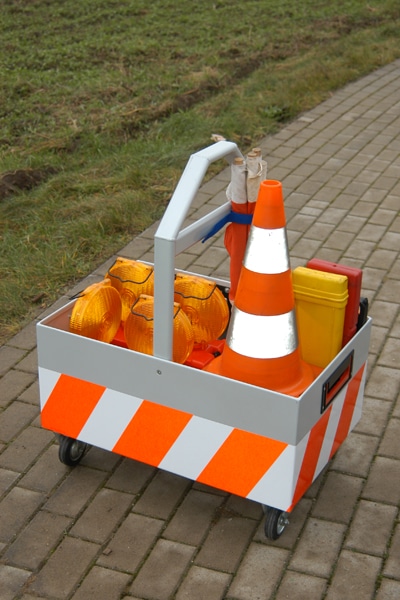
(246, 440)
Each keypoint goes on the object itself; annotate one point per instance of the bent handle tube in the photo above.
(166, 236)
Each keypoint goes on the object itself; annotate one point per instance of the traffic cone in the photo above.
(262, 345)
(236, 234)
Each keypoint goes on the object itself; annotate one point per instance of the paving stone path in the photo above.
(112, 528)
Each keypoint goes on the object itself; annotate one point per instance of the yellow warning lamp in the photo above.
(97, 312)
(131, 278)
(204, 304)
(139, 329)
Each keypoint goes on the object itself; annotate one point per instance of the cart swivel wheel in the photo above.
(71, 451)
(275, 523)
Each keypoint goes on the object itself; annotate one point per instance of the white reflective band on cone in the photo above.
(258, 336)
(267, 251)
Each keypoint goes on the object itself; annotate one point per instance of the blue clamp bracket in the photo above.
(231, 217)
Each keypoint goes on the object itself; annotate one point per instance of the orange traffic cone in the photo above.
(262, 346)
(236, 234)
(242, 192)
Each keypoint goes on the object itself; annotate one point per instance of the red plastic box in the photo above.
(354, 277)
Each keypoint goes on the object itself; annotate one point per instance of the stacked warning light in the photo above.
(131, 278)
(97, 312)
(139, 329)
(204, 304)
(124, 299)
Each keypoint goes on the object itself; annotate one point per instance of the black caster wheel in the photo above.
(71, 451)
(275, 523)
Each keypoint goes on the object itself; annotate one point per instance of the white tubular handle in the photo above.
(169, 240)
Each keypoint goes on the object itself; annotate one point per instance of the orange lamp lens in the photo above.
(131, 278)
(204, 304)
(139, 329)
(97, 312)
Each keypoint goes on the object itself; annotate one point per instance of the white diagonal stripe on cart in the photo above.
(195, 447)
(109, 419)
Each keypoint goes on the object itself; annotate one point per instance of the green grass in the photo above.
(103, 101)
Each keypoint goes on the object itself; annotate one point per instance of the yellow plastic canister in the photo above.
(320, 301)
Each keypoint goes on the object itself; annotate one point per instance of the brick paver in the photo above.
(113, 528)
(170, 559)
(259, 572)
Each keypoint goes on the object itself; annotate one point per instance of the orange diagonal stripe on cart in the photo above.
(347, 411)
(311, 456)
(151, 432)
(241, 462)
(70, 404)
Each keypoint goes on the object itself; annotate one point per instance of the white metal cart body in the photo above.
(246, 440)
